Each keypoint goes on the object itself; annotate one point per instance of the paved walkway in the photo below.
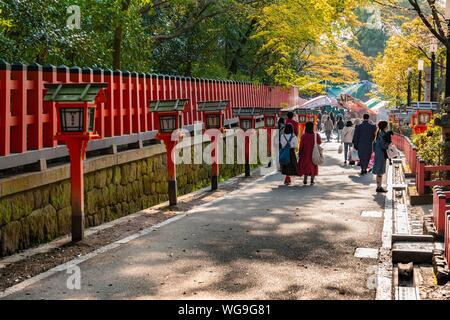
(265, 242)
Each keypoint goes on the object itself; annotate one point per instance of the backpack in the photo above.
(285, 152)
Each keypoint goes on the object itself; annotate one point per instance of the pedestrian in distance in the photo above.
(340, 125)
(347, 139)
(289, 139)
(290, 120)
(380, 147)
(319, 122)
(363, 142)
(281, 126)
(328, 126)
(306, 166)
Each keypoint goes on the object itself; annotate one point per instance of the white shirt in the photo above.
(347, 134)
(285, 139)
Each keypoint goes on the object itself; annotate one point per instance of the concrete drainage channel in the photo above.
(410, 247)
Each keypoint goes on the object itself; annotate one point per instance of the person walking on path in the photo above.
(328, 126)
(381, 145)
(290, 120)
(347, 139)
(319, 122)
(306, 167)
(291, 169)
(281, 126)
(340, 126)
(363, 142)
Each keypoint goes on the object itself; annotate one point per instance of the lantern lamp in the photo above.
(270, 117)
(169, 114)
(247, 117)
(213, 113)
(75, 106)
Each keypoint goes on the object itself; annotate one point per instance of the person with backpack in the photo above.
(287, 158)
(340, 125)
(380, 147)
(306, 165)
(347, 140)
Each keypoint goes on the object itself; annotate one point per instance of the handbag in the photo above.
(341, 148)
(355, 156)
(317, 155)
(285, 153)
(392, 151)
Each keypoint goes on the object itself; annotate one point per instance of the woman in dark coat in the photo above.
(306, 167)
(380, 148)
(363, 142)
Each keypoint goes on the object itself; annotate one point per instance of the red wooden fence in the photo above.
(28, 123)
(418, 166)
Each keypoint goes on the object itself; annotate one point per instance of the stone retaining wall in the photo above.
(36, 208)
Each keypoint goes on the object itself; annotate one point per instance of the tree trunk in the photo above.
(118, 37)
(117, 48)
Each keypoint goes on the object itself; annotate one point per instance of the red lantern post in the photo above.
(75, 107)
(214, 117)
(247, 121)
(270, 122)
(169, 118)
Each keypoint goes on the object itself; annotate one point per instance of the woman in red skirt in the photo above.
(306, 167)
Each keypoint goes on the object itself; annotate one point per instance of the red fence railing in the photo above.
(424, 173)
(28, 123)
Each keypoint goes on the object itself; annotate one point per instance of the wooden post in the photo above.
(420, 177)
(172, 171)
(447, 235)
(77, 150)
(5, 111)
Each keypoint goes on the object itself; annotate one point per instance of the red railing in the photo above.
(28, 123)
(419, 167)
(409, 150)
(440, 207)
(447, 236)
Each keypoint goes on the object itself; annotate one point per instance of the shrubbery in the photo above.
(429, 145)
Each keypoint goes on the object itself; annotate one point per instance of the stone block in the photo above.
(11, 238)
(41, 197)
(109, 176)
(5, 211)
(100, 179)
(144, 167)
(146, 181)
(112, 190)
(64, 220)
(125, 173)
(42, 225)
(106, 200)
(22, 205)
(117, 175)
(133, 172)
(60, 195)
(90, 202)
(150, 165)
(89, 181)
(122, 195)
(108, 214)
